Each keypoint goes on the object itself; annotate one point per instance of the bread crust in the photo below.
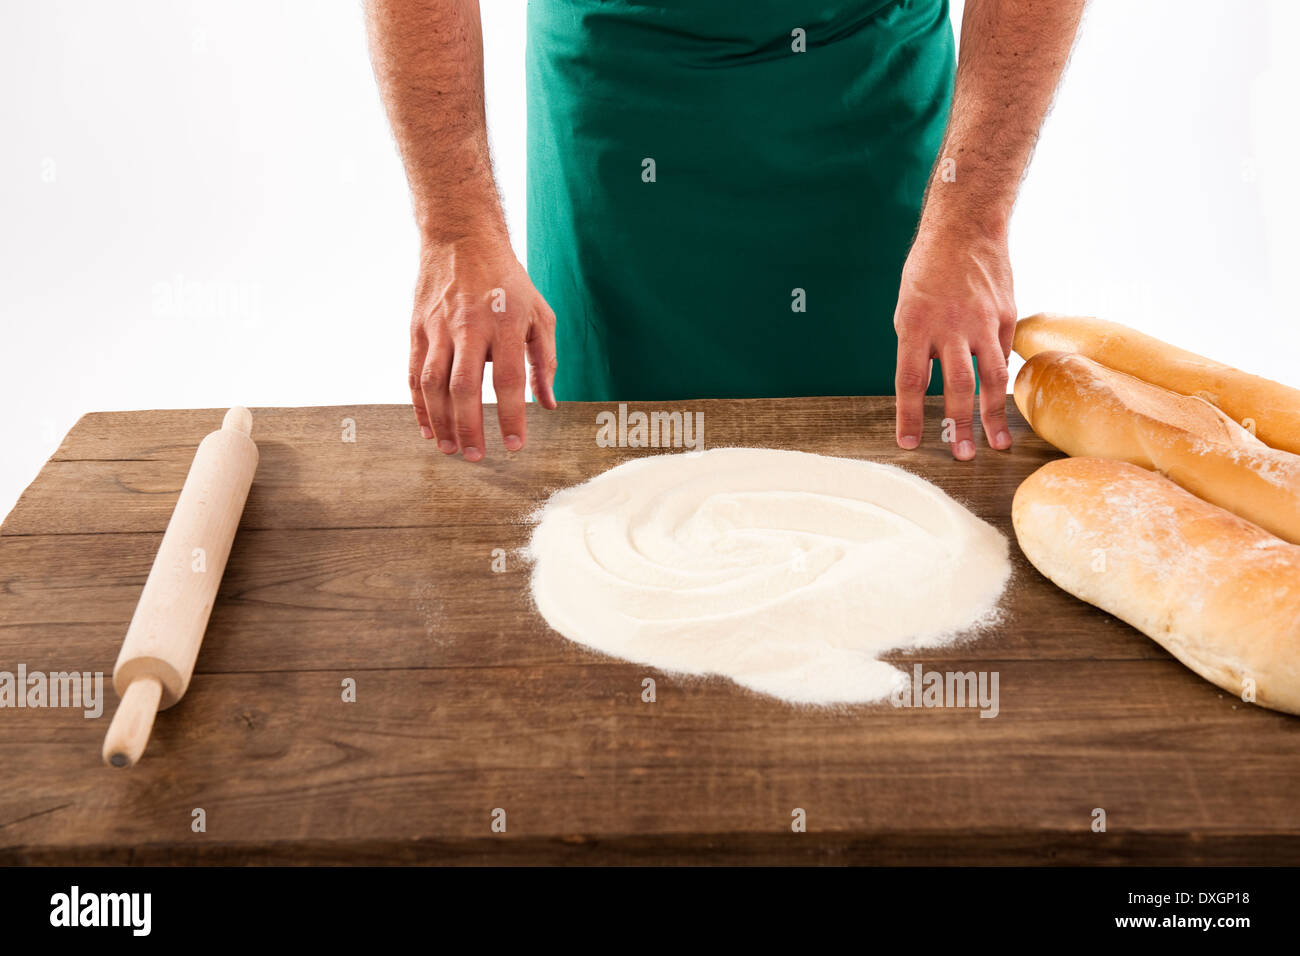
(1088, 410)
(1219, 593)
(1271, 409)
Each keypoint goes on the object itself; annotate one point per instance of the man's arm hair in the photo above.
(428, 59)
(1011, 58)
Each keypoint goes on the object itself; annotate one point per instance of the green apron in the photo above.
(693, 180)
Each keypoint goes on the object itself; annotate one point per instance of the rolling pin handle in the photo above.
(129, 732)
(238, 419)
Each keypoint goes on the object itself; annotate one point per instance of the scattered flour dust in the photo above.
(784, 571)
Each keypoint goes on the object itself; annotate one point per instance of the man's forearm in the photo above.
(1011, 59)
(428, 59)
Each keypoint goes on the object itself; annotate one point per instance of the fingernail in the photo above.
(447, 446)
(426, 431)
(514, 442)
(965, 449)
(1004, 439)
(909, 441)
(472, 454)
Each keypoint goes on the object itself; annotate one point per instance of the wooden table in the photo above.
(373, 560)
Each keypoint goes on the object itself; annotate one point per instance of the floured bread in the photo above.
(1088, 410)
(1219, 593)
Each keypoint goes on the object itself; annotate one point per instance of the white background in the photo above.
(201, 203)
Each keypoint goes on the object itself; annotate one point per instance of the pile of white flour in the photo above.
(784, 571)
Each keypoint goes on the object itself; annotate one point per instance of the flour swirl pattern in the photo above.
(784, 571)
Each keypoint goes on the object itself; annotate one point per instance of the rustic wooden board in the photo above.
(372, 560)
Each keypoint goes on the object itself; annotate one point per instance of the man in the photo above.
(721, 198)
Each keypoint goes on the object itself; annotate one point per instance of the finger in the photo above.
(1006, 334)
(959, 399)
(911, 379)
(434, 378)
(415, 365)
(993, 395)
(466, 390)
(508, 378)
(541, 358)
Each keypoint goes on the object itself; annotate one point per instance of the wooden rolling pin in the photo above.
(157, 658)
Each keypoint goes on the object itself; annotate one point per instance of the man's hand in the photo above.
(955, 301)
(474, 304)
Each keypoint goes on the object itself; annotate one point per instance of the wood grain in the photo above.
(372, 560)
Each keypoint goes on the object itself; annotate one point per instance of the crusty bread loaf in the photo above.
(1086, 409)
(1270, 409)
(1217, 592)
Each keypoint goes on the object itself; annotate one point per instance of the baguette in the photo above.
(1218, 593)
(1269, 409)
(1088, 410)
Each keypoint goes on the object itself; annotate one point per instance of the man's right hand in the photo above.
(474, 303)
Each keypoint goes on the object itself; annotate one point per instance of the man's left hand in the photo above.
(955, 302)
